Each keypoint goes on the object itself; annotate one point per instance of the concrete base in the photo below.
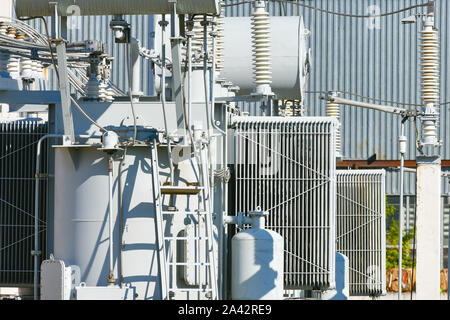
(342, 280)
(428, 228)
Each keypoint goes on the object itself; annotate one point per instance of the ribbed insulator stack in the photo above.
(38, 69)
(261, 48)
(4, 57)
(26, 64)
(219, 39)
(430, 66)
(333, 111)
(97, 90)
(13, 62)
(198, 39)
(430, 80)
(109, 93)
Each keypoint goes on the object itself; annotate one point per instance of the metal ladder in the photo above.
(167, 289)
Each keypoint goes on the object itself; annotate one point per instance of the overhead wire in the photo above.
(298, 4)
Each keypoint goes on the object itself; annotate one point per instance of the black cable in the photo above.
(332, 12)
(51, 49)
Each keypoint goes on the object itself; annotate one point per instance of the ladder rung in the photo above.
(189, 264)
(184, 190)
(185, 212)
(186, 238)
(189, 289)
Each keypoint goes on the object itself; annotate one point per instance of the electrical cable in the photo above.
(87, 116)
(332, 12)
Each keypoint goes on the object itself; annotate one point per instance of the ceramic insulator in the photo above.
(13, 62)
(219, 39)
(198, 39)
(333, 111)
(430, 66)
(261, 47)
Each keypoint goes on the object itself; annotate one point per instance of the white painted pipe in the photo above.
(136, 64)
(34, 8)
(111, 227)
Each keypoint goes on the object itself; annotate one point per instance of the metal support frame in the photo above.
(177, 83)
(402, 148)
(65, 90)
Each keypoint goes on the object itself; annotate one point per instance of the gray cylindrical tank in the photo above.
(257, 265)
(33, 8)
(290, 57)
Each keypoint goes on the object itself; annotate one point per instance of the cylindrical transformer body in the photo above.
(289, 55)
(257, 265)
(33, 8)
(81, 232)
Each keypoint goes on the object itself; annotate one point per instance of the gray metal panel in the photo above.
(380, 63)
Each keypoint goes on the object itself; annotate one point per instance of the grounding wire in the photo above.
(333, 12)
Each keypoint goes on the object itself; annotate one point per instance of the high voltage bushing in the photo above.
(333, 111)
(430, 81)
(261, 48)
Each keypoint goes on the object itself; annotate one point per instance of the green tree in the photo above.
(392, 243)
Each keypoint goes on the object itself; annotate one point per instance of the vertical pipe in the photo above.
(36, 252)
(163, 24)
(110, 194)
(402, 149)
(136, 68)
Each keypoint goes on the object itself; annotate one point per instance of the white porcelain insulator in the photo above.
(198, 37)
(13, 62)
(333, 111)
(261, 47)
(219, 39)
(97, 90)
(430, 66)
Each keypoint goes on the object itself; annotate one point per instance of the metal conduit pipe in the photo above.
(36, 253)
(402, 148)
(205, 71)
(110, 279)
(163, 24)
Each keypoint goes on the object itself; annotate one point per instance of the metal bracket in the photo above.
(65, 90)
